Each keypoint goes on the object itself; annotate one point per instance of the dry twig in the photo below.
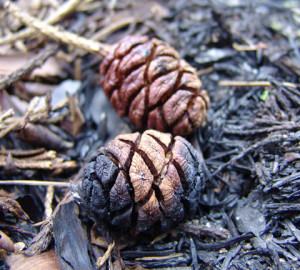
(34, 183)
(103, 259)
(255, 84)
(56, 33)
(62, 12)
(10, 123)
(250, 47)
(46, 161)
(37, 61)
(52, 164)
(48, 202)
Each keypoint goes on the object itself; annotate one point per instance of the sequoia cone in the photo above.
(148, 82)
(141, 181)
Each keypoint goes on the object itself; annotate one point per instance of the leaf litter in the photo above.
(248, 56)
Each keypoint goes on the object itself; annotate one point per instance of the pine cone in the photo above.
(148, 82)
(141, 181)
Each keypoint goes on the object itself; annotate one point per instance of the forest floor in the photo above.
(54, 115)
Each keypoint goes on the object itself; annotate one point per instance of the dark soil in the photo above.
(248, 59)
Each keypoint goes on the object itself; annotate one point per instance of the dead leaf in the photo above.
(39, 135)
(291, 156)
(12, 207)
(6, 243)
(72, 124)
(19, 247)
(13, 62)
(12, 102)
(97, 239)
(41, 241)
(37, 89)
(46, 261)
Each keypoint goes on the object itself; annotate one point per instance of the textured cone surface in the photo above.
(143, 180)
(148, 82)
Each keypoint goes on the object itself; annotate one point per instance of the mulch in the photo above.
(53, 119)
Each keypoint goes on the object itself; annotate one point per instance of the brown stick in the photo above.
(35, 62)
(61, 12)
(103, 259)
(56, 33)
(52, 164)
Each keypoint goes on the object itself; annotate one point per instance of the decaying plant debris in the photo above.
(54, 116)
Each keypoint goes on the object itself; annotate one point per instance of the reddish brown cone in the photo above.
(147, 81)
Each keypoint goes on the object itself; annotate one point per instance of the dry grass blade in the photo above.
(158, 258)
(250, 47)
(56, 33)
(21, 152)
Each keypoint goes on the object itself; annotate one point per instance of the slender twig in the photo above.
(56, 33)
(52, 164)
(225, 243)
(48, 202)
(61, 12)
(262, 130)
(35, 62)
(250, 47)
(21, 152)
(205, 71)
(34, 183)
(113, 28)
(255, 84)
(103, 259)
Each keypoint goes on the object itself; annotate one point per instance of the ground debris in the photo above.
(247, 54)
(9, 206)
(47, 160)
(47, 260)
(71, 243)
